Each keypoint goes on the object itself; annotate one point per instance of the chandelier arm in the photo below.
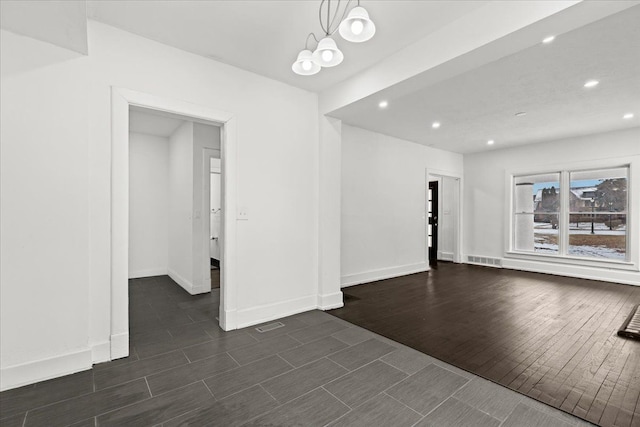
(333, 20)
(328, 15)
(344, 14)
(326, 31)
(306, 43)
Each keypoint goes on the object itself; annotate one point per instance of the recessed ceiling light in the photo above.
(548, 40)
(490, 142)
(520, 114)
(591, 83)
(628, 116)
(383, 104)
(435, 125)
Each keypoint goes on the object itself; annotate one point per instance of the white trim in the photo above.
(582, 272)
(330, 301)
(180, 280)
(149, 272)
(121, 100)
(383, 273)
(101, 352)
(119, 345)
(264, 313)
(45, 369)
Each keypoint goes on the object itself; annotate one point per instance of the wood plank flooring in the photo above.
(549, 337)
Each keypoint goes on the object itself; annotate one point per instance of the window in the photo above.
(578, 214)
(537, 212)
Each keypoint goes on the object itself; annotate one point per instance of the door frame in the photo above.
(121, 100)
(458, 220)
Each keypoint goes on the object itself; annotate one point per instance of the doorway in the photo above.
(122, 100)
(443, 213)
(432, 222)
(215, 217)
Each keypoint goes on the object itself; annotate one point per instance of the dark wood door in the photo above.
(432, 228)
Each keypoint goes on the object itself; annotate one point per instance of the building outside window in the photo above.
(577, 213)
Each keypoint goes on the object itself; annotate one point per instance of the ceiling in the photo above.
(153, 123)
(266, 36)
(545, 81)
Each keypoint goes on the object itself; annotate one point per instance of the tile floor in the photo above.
(316, 370)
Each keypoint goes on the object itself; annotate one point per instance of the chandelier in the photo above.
(356, 27)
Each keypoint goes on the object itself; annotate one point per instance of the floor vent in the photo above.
(631, 327)
(481, 260)
(269, 327)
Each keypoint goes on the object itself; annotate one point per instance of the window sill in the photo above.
(575, 261)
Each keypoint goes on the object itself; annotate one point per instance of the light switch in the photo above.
(243, 213)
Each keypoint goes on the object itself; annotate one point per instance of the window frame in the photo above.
(631, 261)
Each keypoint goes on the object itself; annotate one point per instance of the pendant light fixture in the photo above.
(327, 53)
(305, 65)
(357, 27)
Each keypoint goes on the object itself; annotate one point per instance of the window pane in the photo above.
(599, 191)
(598, 219)
(598, 235)
(545, 230)
(536, 206)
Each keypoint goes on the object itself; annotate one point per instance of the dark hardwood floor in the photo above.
(548, 337)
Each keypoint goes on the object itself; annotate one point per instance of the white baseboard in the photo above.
(149, 272)
(101, 352)
(267, 312)
(445, 256)
(582, 272)
(184, 283)
(229, 321)
(330, 301)
(119, 345)
(384, 273)
(195, 290)
(45, 369)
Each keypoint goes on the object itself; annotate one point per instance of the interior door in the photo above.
(432, 227)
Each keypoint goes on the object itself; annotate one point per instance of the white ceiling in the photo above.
(62, 23)
(266, 36)
(545, 81)
(153, 123)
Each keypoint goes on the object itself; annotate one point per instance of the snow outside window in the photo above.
(586, 218)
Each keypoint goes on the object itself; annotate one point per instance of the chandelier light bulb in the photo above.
(305, 65)
(357, 26)
(327, 53)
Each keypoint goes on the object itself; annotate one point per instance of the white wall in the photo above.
(485, 199)
(148, 205)
(383, 204)
(44, 185)
(56, 193)
(180, 261)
